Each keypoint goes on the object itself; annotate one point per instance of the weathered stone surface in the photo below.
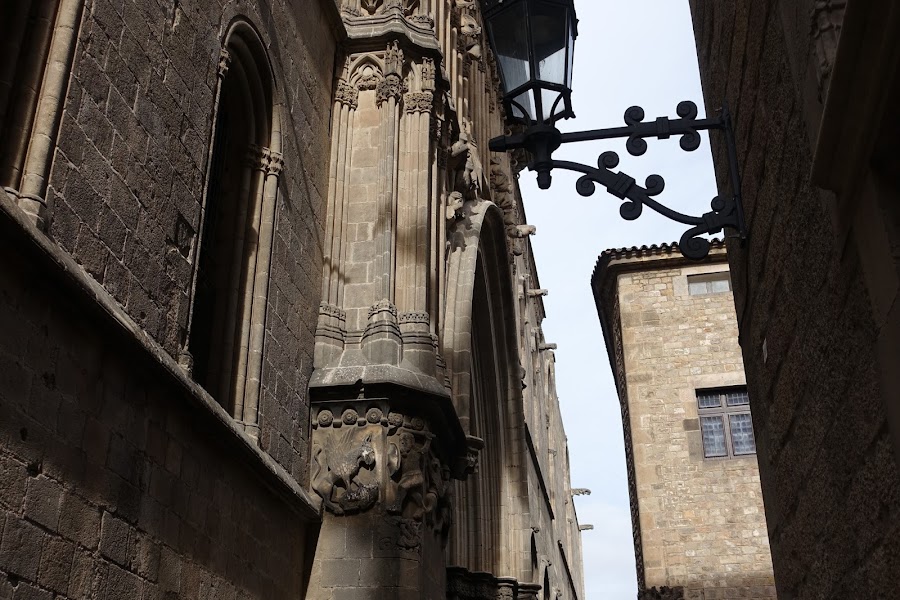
(700, 529)
(815, 285)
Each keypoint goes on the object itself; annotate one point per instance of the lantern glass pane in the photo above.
(508, 32)
(526, 100)
(571, 53)
(549, 38)
(548, 99)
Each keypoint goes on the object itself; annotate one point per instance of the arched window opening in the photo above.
(231, 278)
(28, 27)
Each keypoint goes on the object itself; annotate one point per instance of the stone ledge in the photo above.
(57, 264)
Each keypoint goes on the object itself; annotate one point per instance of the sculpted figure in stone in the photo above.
(470, 176)
(454, 205)
(410, 491)
(337, 463)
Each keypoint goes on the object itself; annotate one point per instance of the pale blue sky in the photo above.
(637, 52)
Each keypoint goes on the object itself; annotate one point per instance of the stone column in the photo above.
(383, 473)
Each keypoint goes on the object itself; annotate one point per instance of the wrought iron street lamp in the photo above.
(534, 42)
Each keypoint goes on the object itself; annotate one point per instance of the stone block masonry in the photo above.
(117, 479)
(127, 182)
(815, 285)
(699, 522)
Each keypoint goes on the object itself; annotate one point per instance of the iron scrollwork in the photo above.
(726, 211)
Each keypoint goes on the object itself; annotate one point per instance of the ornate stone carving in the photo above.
(337, 461)
(371, 6)
(424, 21)
(418, 102)
(224, 62)
(393, 60)
(662, 593)
(390, 87)
(463, 584)
(347, 94)
(469, 30)
(453, 210)
(256, 158)
(415, 317)
(825, 22)
(384, 306)
(332, 311)
(521, 231)
(472, 173)
(274, 163)
(369, 78)
(371, 455)
(428, 74)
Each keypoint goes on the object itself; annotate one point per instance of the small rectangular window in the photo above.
(726, 427)
(709, 283)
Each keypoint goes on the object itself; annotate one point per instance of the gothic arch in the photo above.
(227, 326)
(481, 350)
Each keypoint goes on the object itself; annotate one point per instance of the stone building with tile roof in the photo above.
(696, 507)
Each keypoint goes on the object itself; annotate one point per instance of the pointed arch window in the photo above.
(227, 325)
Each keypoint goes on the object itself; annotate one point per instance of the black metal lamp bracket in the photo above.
(726, 212)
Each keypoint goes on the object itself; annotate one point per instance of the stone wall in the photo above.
(118, 479)
(127, 183)
(814, 284)
(702, 520)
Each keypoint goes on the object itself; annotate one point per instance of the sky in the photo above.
(637, 52)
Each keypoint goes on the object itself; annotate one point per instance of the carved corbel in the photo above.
(366, 456)
(521, 231)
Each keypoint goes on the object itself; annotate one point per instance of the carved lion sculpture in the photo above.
(338, 462)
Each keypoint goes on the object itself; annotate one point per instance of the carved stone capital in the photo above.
(418, 102)
(275, 164)
(389, 87)
(347, 94)
(256, 157)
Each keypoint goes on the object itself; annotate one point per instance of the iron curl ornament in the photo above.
(540, 140)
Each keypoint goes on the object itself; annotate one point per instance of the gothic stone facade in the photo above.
(699, 525)
(814, 88)
(271, 326)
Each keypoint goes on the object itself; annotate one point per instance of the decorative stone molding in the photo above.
(347, 94)
(424, 21)
(332, 311)
(366, 456)
(384, 306)
(422, 318)
(418, 102)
